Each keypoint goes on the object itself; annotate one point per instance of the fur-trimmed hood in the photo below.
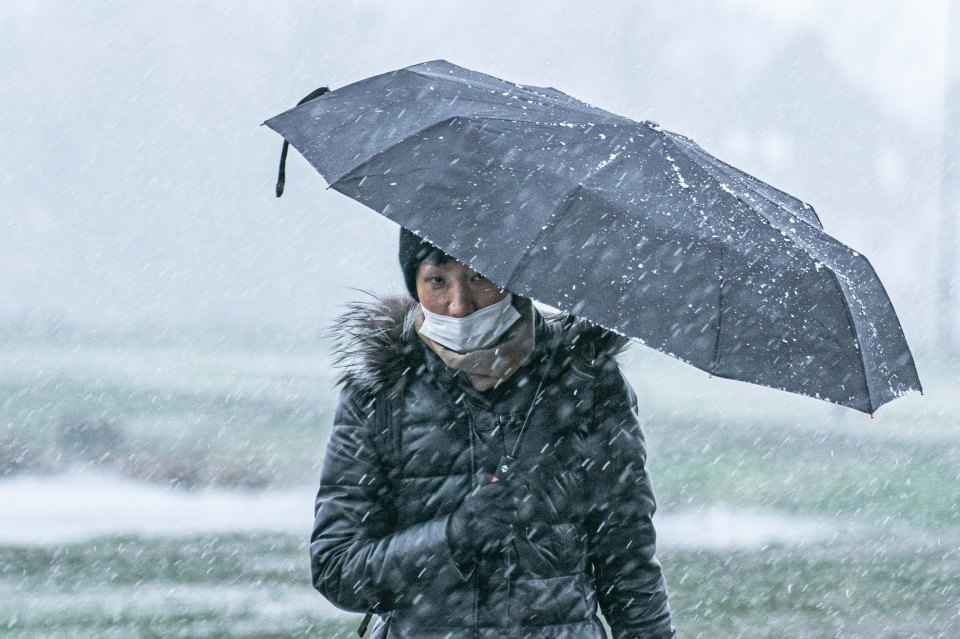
(375, 345)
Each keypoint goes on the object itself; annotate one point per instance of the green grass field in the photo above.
(253, 410)
(258, 586)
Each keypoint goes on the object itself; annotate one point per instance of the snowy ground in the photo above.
(80, 506)
(775, 512)
(83, 505)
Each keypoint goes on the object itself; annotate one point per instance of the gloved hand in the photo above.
(545, 543)
(483, 523)
(490, 515)
(546, 492)
(556, 498)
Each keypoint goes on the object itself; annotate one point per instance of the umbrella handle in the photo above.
(282, 173)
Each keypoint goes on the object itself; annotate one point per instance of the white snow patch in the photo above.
(676, 169)
(86, 504)
(268, 609)
(603, 163)
(83, 505)
(723, 528)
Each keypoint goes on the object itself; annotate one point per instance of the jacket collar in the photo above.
(544, 338)
(375, 345)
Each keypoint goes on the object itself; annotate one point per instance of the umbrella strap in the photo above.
(567, 323)
(282, 174)
(363, 624)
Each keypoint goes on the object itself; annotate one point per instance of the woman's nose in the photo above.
(461, 302)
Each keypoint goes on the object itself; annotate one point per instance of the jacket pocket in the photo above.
(538, 601)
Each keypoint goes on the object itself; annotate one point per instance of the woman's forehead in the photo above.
(449, 267)
(444, 262)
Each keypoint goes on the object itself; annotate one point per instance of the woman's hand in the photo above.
(484, 521)
(551, 498)
(496, 512)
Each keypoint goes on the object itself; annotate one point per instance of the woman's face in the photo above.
(453, 289)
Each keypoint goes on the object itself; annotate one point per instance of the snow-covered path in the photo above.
(82, 505)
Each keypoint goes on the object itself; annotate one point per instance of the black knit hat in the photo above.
(413, 250)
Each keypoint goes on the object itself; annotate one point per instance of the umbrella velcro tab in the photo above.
(282, 173)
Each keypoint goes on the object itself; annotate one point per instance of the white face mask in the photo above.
(476, 330)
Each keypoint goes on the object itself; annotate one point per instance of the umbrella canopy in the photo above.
(623, 223)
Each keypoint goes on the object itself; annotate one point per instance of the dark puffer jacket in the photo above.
(379, 542)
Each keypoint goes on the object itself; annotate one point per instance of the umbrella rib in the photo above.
(350, 174)
(716, 345)
(358, 113)
(449, 120)
(801, 243)
(748, 181)
(546, 124)
(566, 205)
(856, 337)
(392, 174)
(704, 167)
(454, 81)
(899, 328)
(492, 88)
(502, 105)
(446, 121)
(578, 104)
(796, 238)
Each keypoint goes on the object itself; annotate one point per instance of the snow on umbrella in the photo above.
(619, 222)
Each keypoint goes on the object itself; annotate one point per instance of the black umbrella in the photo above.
(620, 222)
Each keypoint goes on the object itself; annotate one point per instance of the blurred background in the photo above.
(165, 384)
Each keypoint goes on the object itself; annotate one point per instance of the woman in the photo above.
(485, 474)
